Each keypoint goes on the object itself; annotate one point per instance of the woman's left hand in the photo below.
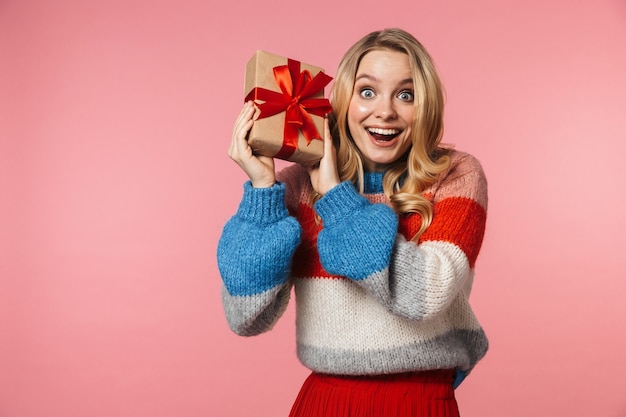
(324, 175)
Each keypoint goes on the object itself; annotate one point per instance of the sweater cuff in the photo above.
(263, 205)
(338, 203)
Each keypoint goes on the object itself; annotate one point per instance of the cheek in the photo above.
(357, 110)
(407, 115)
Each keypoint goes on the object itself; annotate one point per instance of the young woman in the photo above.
(379, 240)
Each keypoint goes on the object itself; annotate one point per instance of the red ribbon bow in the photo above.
(297, 88)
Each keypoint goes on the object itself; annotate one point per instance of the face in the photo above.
(381, 109)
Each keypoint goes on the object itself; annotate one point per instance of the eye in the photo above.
(405, 95)
(367, 93)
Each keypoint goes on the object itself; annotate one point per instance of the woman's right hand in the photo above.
(260, 169)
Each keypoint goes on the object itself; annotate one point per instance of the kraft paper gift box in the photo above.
(291, 107)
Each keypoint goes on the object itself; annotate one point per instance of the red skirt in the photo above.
(418, 394)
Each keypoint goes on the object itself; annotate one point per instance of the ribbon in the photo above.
(296, 101)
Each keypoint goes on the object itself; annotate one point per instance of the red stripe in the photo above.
(409, 225)
(460, 221)
(306, 260)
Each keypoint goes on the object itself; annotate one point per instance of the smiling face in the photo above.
(380, 114)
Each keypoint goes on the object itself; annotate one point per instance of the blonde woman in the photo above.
(379, 241)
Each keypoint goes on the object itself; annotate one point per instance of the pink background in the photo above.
(115, 118)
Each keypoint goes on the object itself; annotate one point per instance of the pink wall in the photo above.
(115, 118)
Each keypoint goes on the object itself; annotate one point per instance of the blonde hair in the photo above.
(406, 179)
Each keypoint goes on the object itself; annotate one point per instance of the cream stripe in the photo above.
(338, 314)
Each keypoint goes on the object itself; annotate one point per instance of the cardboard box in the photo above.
(290, 117)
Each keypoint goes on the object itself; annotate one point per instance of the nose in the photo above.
(385, 109)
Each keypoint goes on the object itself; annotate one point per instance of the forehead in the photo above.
(385, 64)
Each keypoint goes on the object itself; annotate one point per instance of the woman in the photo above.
(379, 240)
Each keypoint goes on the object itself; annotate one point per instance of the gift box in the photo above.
(290, 107)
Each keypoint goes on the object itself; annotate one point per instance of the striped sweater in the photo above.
(368, 299)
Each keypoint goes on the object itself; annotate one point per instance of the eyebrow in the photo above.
(374, 79)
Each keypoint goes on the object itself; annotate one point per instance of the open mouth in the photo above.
(383, 135)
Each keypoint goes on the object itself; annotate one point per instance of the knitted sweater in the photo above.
(368, 299)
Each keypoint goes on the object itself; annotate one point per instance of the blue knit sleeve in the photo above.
(254, 255)
(255, 250)
(358, 237)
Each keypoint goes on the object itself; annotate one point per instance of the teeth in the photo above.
(386, 132)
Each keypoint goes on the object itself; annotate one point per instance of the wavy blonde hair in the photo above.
(406, 179)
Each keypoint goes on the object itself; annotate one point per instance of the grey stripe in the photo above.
(254, 314)
(456, 349)
(421, 281)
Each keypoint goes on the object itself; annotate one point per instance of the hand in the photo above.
(260, 169)
(324, 175)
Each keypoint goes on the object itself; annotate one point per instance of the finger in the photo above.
(242, 126)
(328, 140)
(245, 114)
(245, 117)
(326, 131)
